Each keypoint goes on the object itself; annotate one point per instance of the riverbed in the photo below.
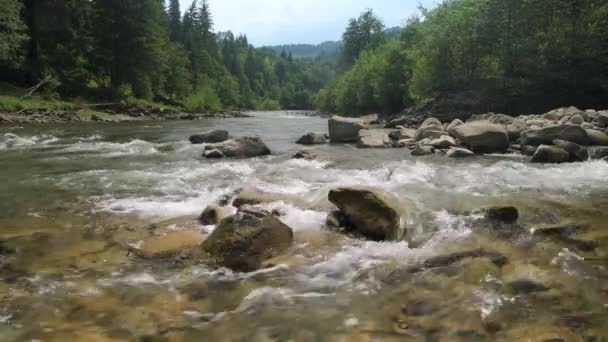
(76, 198)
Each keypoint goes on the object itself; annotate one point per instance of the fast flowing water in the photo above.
(75, 198)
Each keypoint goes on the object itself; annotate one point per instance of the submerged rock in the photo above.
(244, 147)
(374, 138)
(210, 137)
(369, 213)
(546, 135)
(313, 139)
(335, 219)
(483, 137)
(344, 130)
(502, 214)
(168, 245)
(212, 215)
(598, 152)
(213, 154)
(550, 154)
(443, 142)
(307, 155)
(446, 260)
(423, 150)
(403, 133)
(244, 241)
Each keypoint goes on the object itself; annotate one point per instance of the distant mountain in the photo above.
(308, 50)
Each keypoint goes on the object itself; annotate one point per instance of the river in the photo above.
(74, 197)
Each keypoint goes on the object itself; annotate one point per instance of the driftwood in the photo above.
(33, 89)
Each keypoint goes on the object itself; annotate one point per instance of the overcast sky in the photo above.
(273, 22)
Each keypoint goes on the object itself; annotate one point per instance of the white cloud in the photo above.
(268, 22)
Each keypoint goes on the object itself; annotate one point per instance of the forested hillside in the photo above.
(325, 49)
(126, 49)
(513, 56)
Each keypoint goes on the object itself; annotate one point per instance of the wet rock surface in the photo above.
(244, 147)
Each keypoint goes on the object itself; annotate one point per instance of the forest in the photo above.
(147, 50)
(515, 56)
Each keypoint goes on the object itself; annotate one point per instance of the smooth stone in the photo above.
(313, 139)
(212, 215)
(244, 241)
(577, 120)
(528, 150)
(454, 124)
(423, 150)
(369, 213)
(598, 152)
(545, 136)
(483, 137)
(213, 154)
(550, 154)
(597, 138)
(403, 133)
(307, 155)
(577, 152)
(374, 138)
(525, 286)
(345, 130)
(457, 152)
(244, 147)
(443, 142)
(210, 137)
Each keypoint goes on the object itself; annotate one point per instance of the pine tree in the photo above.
(175, 24)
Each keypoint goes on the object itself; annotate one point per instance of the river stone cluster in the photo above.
(562, 135)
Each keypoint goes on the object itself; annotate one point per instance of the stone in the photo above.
(443, 142)
(313, 139)
(374, 138)
(507, 215)
(483, 137)
(212, 215)
(501, 119)
(431, 122)
(550, 154)
(429, 133)
(602, 119)
(597, 138)
(210, 137)
(525, 286)
(169, 244)
(546, 135)
(577, 152)
(213, 154)
(336, 219)
(577, 119)
(252, 196)
(423, 150)
(369, 213)
(405, 143)
(345, 130)
(457, 152)
(528, 150)
(598, 152)
(449, 259)
(307, 155)
(244, 241)
(403, 133)
(454, 124)
(244, 147)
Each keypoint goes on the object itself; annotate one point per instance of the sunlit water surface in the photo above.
(75, 197)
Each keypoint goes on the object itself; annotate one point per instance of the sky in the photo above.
(275, 22)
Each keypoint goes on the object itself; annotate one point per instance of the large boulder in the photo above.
(210, 137)
(313, 139)
(550, 154)
(602, 119)
(344, 130)
(546, 135)
(455, 123)
(456, 152)
(244, 147)
(403, 133)
(597, 138)
(483, 136)
(244, 241)
(443, 142)
(598, 152)
(374, 138)
(369, 213)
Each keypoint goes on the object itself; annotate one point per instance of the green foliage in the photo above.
(204, 99)
(268, 104)
(363, 33)
(13, 104)
(12, 32)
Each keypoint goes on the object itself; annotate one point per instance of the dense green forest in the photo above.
(515, 55)
(147, 49)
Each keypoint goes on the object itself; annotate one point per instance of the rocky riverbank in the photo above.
(41, 116)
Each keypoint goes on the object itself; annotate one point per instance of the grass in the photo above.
(14, 104)
(88, 115)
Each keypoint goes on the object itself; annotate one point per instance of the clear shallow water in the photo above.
(76, 196)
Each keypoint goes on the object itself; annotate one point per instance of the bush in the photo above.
(203, 99)
(268, 104)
